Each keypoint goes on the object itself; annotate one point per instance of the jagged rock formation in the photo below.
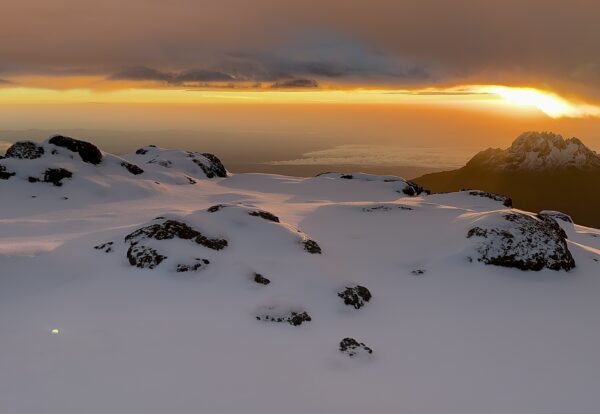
(539, 171)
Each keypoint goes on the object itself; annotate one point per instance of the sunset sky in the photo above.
(424, 73)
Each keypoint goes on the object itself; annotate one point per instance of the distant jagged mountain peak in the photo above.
(538, 151)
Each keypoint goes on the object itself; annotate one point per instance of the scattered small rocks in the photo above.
(385, 208)
(260, 279)
(105, 247)
(352, 347)
(355, 296)
(293, 318)
(198, 265)
(418, 272)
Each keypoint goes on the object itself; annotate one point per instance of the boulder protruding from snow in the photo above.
(197, 265)
(356, 296)
(353, 348)
(260, 279)
(170, 229)
(144, 257)
(55, 176)
(88, 152)
(521, 241)
(25, 150)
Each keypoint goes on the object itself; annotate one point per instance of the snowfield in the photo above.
(138, 292)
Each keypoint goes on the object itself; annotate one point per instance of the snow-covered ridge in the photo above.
(538, 151)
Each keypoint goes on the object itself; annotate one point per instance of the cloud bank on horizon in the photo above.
(352, 43)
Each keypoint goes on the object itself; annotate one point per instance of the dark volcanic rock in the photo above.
(88, 152)
(413, 189)
(260, 279)
(132, 168)
(311, 246)
(105, 247)
(506, 201)
(355, 296)
(56, 175)
(264, 215)
(292, 317)
(555, 215)
(214, 168)
(144, 257)
(199, 264)
(171, 229)
(25, 150)
(4, 173)
(215, 208)
(352, 347)
(523, 242)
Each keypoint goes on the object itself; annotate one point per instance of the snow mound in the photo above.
(196, 164)
(557, 215)
(191, 242)
(522, 241)
(400, 185)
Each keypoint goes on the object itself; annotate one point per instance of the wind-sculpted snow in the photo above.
(522, 241)
(399, 185)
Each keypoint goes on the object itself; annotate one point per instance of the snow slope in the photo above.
(448, 333)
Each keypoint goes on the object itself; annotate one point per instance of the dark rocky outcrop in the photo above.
(132, 168)
(311, 246)
(355, 296)
(506, 201)
(171, 229)
(25, 150)
(214, 168)
(56, 175)
(144, 257)
(555, 215)
(352, 347)
(199, 264)
(385, 208)
(413, 189)
(215, 208)
(4, 173)
(523, 242)
(260, 279)
(264, 215)
(88, 152)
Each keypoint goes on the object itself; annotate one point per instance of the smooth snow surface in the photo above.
(84, 332)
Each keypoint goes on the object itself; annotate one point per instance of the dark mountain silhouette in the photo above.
(539, 171)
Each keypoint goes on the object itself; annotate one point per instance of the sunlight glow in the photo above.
(495, 98)
(551, 104)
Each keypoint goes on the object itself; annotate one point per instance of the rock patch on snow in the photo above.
(353, 348)
(356, 296)
(88, 152)
(521, 241)
(25, 150)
